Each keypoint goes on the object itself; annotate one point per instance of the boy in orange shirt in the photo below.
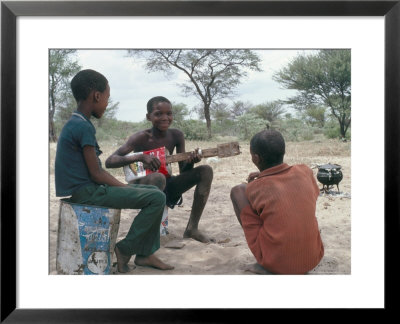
(277, 210)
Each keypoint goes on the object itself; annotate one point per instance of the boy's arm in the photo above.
(97, 174)
(119, 159)
(180, 148)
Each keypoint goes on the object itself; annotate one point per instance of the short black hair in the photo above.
(85, 81)
(269, 145)
(155, 100)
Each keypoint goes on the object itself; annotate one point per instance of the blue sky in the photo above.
(132, 86)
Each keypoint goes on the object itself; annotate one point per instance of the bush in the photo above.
(243, 127)
(102, 135)
(226, 127)
(295, 130)
(250, 124)
(193, 129)
(332, 130)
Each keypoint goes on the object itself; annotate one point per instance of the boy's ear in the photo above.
(148, 117)
(96, 96)
(256, 159)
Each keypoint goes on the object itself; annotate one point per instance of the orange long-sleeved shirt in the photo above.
(280, 224)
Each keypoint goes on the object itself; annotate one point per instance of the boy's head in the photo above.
(267, 149)
(154, 101)
(159, 112)
(91, 91)
(83, 83)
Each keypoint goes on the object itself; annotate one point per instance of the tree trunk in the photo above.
(342, 130)
(52, 135)
(208, 119)
(52, 103)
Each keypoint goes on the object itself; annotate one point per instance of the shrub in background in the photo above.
(250, 124)
(332, 130)
(192, 129)
(295, 130)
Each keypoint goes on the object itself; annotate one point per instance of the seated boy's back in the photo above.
(71, 172)
(282, 203)
(277, 210)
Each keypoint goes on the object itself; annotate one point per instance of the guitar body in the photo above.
(136, 170)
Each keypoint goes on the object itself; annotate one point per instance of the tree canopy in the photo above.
(270, 111)
(62, 66)
(212, 74)
(322, 78)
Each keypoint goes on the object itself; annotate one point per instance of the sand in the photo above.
(229, 255)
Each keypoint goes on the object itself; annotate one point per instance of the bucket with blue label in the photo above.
(86, 239)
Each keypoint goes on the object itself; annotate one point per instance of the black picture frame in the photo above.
(11, 10)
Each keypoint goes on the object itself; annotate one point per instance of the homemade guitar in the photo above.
(136, 170)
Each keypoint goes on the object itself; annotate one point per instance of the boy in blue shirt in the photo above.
(79, 174)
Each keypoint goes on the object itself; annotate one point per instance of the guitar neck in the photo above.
(222, 150)
(184, 156)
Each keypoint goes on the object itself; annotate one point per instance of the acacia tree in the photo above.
(323, 79)
(271, 110)
(239, 108)
(180, 112)
(212, 74)
(250, 124)
(220, 112)
(62, 67)
(314, 115)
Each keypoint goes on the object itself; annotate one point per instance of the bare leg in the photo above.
(199, 201)
(122, 261)
(239, 199)
(152, 261)
(201, 177)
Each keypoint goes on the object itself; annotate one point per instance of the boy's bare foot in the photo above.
(198, 236)
(152, 261)
(122, 261)
(257, 269)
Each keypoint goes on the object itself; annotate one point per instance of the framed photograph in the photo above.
(371, 29)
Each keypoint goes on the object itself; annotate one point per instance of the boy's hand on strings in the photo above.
(252, 176)
(195, 157)
(150, 162)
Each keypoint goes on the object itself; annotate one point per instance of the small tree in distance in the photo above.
(270, 111)
(212, 74)
(62, 67)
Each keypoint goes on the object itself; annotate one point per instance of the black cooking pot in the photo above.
(329, 175)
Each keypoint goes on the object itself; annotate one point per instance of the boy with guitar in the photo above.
(159, 112)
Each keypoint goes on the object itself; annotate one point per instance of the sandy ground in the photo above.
(230, 254)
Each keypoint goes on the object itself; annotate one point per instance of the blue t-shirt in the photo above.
(71, 171)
